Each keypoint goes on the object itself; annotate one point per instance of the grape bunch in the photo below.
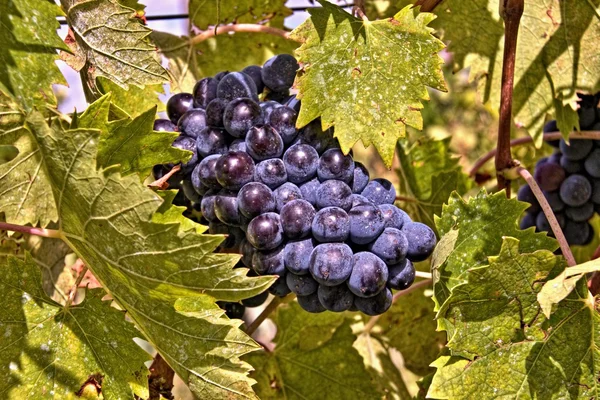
(291, 202)
(569, 179)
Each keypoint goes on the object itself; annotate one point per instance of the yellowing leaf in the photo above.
(368, 78)
(204, 13)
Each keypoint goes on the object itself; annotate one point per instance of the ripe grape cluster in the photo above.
(289, 200)
(569, 179)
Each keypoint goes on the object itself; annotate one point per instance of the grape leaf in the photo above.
(204, 13)
(188, 64)
(313, 353)
(481, 223)
(564, 362)
(133, 99)
(109, 41)
(25, 197)
(409, 326)
(28, 52)
(379, 9)
(367, 78)
(429, 173)
(49, 351)
(498, 303)
(554, 56)
(153, 265)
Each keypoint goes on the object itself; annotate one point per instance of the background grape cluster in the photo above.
(570, 180)
(289, 200)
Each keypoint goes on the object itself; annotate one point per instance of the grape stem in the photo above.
(407, 199)
(511, 11)
(558, 233)
(266, 312)
(209, 33)
(80, 277)
(525, 140)
(416, 286)
(427, 5)
(359, 10)
(161, 183)
(30, 230)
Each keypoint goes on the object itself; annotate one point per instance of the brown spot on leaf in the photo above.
(549, 14)
(356, 72)
(401, 121)
(91, 387)
(414, 108)
(393, 21)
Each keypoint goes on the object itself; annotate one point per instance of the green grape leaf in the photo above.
(429, 173)
(25, 196)
(313, 353)
(109, 41)
(481, 223)
(52, 352)
(555, 290)
(153, 265)
(205, 13)
(563, 362)
(498, 303)
(368, 78)
(554, 57)
(133, 99)
(28, 51)
(409, 326)
(189, 64)
(566, 116)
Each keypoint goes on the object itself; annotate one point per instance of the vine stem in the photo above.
(524, 140)
(209, 33)
(416, 286)
(511, 11)
(427, 5)
(266, 312)
(76, 284)
(49, 233)
(558, 233)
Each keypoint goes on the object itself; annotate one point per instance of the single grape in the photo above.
(280, 288)
(571, 167)
(235, 85)
(226, 207)
(296, 218)
(333, 164)
(391, 246)
(256, 301)
(247, 252)
(401, 275)
(587, 117)
(380, 191)
(592, 163)
(255, 72)
(528, 221)
(220, 75)
(369, 275)
(360, 179)
(215, 110)
(265, 231)
(297, 255)
(421, 241)
(394, 217)
(267, 108)
(278, 72)
(263, 142)
(164, 125)
(234, 169)
(286, 193)
(596, 191)
(331, 263)
(255, 198)
(360, 200)
(187, 143)
(207, 173)
(555, 157)
(271, 172)
(549, 176)
(232, 310)
(205, 90)
(526, 194)
(375, 305)
(302, 285)
(334, 193)
(278, 97)
(197, 184)
(238, 145)
(554, 201)
(313, 135)
(331, 224)
(269, 262)
(551, 126)
(240, 115)
(207, 205)
(541, 161)
(192, 122)
(576, 190)
(579, 214)
(179, 104)
(211, 141)
(576, 149)
(301, 163)
(366, 223)
(311, 303)
(189, 191)
(577, 233)
(293, 102)
(543, 225)
(309, 190)
(335, 298)
(283, 119)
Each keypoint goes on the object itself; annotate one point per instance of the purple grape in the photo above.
(240, 115)
(528, 221)
(238, 145)
(297, 255)
(311, 303)
(189, 144)
(226, 207)
(263, 142)
(309, 190)
(592, 163)
(313, 135)
(331, 224)
(380, 191)
(235, 85)
(577, 149)
(581, 213)
(192, 122)
(393, 217)
(255, 198)
(254, 72)
(360, 178)
(302, 285)
(286, 193)
(331, 263)
(366, 223)
(256, 301)
(577, 233)
(267, 108)
(269, 262)
(333, 164)
(265, 232)
(271, 172)
(391, 246)
(164, 125)
(215, 111)
(283, 119)
(280, 288)
(207, 173)
(401, 275)
(234, 169)
(334, 193)
(207, 205)
(278, 72)
(571, 167)
(211, 141)
(205, 90)
(549, 176)
(179, 104)
(369, 275)
(296, 218)
(375, 305)
(526, 194)
(421, 241)
(554, 201)
(301, 163)
(335, 298)
(576, 190)
(247, 251)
